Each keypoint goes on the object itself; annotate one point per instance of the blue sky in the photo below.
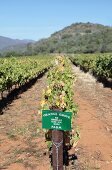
(36, 19)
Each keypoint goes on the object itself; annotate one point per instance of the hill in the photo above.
(77, 38)
(8, 44)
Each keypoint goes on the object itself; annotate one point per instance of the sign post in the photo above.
(57, 149)
(57, 121)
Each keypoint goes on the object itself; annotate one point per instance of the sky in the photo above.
(36, 19)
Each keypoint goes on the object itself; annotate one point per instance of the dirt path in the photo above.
(22, 142)
(94, 149)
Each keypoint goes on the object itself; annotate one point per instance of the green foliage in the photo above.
(59, 92)
(103, 66)
(59, 95)
(19, 70)
(12, 54)
(99, 64)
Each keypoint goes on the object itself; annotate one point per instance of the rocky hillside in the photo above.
(77, 38)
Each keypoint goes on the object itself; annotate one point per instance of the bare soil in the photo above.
(94, 149)
(22, 141)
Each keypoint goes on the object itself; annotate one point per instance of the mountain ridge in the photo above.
(6, 42)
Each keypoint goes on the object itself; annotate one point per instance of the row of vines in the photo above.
(59, 96)
(98, 64)
(18, 71)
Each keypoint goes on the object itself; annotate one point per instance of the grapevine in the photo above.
(98, 64)
(17, 71)
(59, 95)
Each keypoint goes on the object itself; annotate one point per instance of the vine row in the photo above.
(59, 96)
(18, 71)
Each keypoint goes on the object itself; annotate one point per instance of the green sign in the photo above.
(56, 120)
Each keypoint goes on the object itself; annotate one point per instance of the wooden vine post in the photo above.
(58, 122)
(57, 149)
